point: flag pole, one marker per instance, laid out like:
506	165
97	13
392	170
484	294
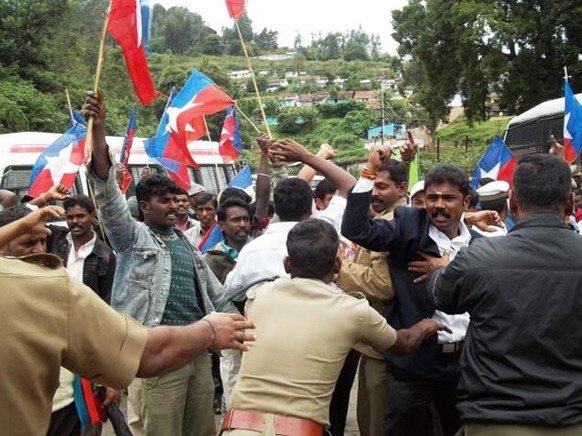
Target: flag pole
213	154
249	120
100	58
242	42
566	74
70	106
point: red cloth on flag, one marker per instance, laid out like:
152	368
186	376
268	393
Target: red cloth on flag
124	26
236	8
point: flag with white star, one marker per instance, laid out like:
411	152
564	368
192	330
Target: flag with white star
496	163
60	162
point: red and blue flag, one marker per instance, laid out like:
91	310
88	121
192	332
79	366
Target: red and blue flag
60	162
183	122
125	25
230	147
572	125
497	163
126	149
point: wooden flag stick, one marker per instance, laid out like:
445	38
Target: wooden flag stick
249	120
214	155
70	107
242	42
100	58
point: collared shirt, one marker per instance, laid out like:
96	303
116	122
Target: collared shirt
457	323
262	258
48	322
76	259
305	329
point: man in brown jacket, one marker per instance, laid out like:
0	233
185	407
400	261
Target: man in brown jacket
369	274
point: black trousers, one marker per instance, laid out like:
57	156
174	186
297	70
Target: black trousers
64	422
410	398
340	400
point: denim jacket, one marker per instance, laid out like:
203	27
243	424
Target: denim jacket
144	269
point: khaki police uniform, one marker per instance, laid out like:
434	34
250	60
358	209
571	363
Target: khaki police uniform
304	330
48	319
369	273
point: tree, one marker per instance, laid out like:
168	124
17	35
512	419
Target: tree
296	120
212	45
266	41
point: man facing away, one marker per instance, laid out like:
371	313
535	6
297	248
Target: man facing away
161	279
522	360
306	327
51	320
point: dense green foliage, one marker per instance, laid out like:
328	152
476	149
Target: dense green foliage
514	48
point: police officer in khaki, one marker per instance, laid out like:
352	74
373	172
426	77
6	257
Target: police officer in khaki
305	327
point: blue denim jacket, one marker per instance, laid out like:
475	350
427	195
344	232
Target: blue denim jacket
144	269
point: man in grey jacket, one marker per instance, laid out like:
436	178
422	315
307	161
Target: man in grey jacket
522	359
161	279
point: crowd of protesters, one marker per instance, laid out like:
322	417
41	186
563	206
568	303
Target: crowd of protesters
456	309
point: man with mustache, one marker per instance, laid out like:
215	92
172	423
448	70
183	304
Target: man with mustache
161	279
430	374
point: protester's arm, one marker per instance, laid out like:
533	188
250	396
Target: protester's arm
408	340
56	193
483	220
290	151
263	185
307	173
450	289
8	198
94	108
169	348
408	153
114	212
33	223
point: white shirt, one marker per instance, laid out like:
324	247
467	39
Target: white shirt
457	323
76	259
64	395
263	257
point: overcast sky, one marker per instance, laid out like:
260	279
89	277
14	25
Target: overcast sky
303	16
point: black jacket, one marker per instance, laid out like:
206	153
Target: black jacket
522	358
99	266
401	237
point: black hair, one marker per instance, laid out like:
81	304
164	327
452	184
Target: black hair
79	200
13	213
271	208
445	173
578	191
323	188
312	248
484	181
474	199
293	199
397	171
542	183
231	202
499	205
231	192
182	191
155	185
205	197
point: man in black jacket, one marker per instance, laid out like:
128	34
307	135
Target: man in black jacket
429	375
522	360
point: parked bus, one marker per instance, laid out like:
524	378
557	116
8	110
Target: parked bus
19	152
530	132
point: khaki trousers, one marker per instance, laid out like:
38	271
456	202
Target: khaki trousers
372	403
134	420
518	430
180	403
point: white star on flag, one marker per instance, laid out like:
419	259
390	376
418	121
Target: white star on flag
61	164
492	173
174	112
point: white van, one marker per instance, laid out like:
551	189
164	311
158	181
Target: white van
19	152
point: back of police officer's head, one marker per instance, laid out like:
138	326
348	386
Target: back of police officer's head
541	184
293	199
312	250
